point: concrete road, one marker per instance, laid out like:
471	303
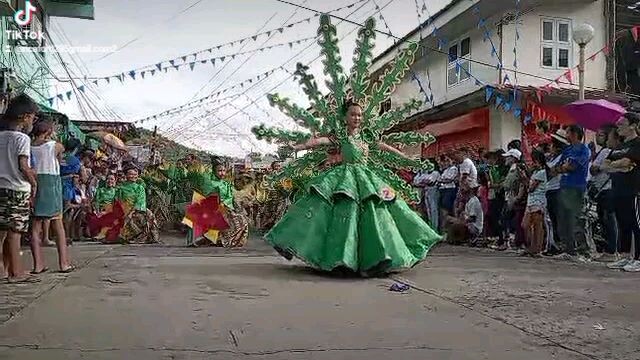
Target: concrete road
177	303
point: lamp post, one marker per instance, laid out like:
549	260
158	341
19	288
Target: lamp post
582	34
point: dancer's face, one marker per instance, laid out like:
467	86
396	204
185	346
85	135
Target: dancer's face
354	118
221	172
111	181
132	175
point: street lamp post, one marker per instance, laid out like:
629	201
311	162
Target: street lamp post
582	35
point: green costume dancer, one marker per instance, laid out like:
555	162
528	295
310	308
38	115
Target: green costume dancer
353	212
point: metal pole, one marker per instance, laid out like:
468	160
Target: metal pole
581	72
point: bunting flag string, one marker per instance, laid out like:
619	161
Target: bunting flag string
482	25
200	101
266	33
144	71
568	74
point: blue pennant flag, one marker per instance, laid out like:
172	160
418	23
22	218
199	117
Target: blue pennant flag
81	88
508	105
481	23
108	80
172	62
142	74
192	65
153	72
51	101
488	91
61	97
95	82
506	79
132	73
69	93
499	100
159	66
517	112
527	119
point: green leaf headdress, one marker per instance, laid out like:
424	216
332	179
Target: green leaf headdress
326	117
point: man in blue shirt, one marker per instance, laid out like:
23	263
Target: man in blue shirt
574	167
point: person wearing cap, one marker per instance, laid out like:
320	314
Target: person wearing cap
558	143
515	188
574	166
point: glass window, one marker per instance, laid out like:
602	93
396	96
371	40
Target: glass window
465	47
563	32
464	65
563	58
452	76
547	30
547	56
453	53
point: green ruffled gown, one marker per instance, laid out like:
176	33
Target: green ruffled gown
345	220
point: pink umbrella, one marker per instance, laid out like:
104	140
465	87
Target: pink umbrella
593	114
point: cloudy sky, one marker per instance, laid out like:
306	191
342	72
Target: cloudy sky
147	33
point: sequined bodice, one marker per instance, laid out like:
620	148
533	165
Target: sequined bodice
354	150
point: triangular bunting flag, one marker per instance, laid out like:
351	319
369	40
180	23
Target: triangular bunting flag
268	33
195	56
81	88
203	61
95	82
142	74
210	50
153	72
184	58
172	62
506	79
213	62
222	58
527	119
488	91
61	97
159	66
51	101
108	80
69	93
192	65
507	106
569	76
290	45
120	77
517	112
499	100
132	73
635	33
281	30
254	37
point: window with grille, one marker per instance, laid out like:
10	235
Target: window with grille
555	48
459	53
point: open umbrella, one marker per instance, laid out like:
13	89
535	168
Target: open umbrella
593	114
109	139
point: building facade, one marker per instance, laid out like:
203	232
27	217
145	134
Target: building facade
24	62
473	44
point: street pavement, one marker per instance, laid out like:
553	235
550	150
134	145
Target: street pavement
168	302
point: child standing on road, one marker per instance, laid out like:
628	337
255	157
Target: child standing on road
17	182
533	222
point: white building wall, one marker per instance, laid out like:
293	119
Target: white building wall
529	45
504	126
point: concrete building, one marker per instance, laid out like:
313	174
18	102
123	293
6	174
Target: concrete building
25	64
479	35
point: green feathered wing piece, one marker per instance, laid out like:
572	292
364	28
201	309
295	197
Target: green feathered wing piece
325	118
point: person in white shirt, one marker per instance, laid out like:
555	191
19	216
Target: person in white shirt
428	181
468	178
558	144
18	183
469	224
448	186
599	189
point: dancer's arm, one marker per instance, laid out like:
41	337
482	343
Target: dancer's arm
313	143
391	149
